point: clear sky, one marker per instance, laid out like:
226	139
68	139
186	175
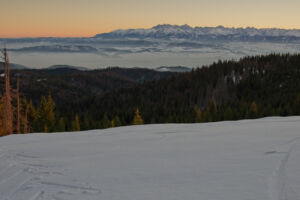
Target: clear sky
32	18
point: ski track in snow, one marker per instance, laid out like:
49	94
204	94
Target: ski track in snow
279	186
24	178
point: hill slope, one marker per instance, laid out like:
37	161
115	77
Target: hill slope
271	82
254	159
66	83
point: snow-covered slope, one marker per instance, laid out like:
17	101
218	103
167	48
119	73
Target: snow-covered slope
167	31
173	69
250	159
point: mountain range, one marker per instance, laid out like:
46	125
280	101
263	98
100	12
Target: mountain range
161	45
167	31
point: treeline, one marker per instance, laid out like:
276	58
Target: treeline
252	87
35	119
45	119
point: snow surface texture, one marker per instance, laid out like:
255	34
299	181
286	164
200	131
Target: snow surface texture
249	159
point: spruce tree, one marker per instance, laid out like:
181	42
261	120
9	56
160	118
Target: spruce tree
105	122
117	121
24	119
86	124
253	110
76	124
31	117
45	115
297	105
137	120
112	123
61	125
228	114
51	113
213	110
198	114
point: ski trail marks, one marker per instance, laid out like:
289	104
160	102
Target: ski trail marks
279	188
30	177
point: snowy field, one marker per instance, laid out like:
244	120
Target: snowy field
249	159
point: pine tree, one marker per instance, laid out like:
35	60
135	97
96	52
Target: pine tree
105	122
198	113
32	116
51	113
137	120
112	123
25	111
297	105
228	114
86	123
40	118
117	121
253	110
76	124
46	130
213	109
45	115
61	125
207	116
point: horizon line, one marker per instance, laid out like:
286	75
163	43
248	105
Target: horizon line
162	24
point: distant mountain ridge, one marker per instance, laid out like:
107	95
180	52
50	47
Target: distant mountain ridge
13	66
58	48
173	69
167	31
67	67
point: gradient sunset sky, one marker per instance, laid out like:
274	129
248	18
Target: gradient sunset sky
81	18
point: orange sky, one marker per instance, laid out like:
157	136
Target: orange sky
61	18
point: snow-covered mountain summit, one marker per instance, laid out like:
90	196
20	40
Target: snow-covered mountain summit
167	31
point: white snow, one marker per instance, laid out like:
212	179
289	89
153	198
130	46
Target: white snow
199	31
249	159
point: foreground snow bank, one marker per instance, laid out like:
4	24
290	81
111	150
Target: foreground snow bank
250	159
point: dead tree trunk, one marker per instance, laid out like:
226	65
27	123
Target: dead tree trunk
25	121
8	109
18	125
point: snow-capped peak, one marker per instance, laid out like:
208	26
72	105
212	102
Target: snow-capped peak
167	31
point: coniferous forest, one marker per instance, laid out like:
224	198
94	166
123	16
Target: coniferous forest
71	100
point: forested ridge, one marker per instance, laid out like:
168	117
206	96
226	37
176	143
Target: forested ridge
252	87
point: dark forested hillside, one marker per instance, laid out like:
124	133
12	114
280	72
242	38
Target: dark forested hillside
252	87
65	84
227	90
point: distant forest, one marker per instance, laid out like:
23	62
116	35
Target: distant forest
70	100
